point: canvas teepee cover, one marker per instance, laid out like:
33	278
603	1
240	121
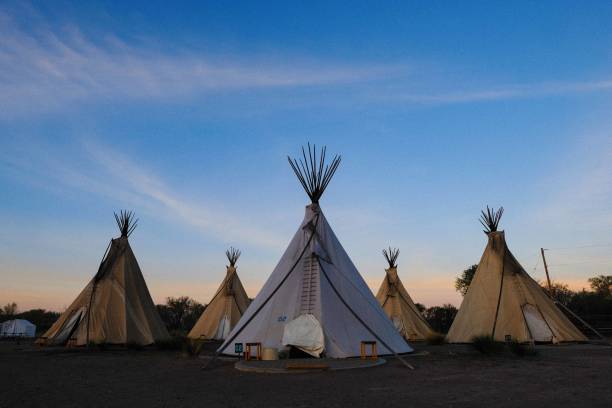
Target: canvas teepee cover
226	307
315	299
115	307
398	305
503	300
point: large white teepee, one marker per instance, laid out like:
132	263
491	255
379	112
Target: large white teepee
503	301
398	305
226	307
115	307
315	300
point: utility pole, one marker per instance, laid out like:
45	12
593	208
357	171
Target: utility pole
550	290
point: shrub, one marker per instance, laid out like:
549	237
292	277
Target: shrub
192	347
486	344
180	342
521	349
436	339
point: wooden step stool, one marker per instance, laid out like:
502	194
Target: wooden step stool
372	345
247	352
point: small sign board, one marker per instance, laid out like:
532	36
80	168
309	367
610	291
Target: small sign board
238	348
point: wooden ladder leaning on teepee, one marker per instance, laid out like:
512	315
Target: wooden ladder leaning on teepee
310	285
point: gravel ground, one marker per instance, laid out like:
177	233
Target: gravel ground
446	376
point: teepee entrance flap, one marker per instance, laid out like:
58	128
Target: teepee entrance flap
305	333
224	327
538	328
69	327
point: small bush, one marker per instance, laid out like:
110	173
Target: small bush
180	342
521	349
192	347
486	344
436	339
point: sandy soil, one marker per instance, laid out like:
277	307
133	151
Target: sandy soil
449	376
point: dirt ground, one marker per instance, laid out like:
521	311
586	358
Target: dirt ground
448	376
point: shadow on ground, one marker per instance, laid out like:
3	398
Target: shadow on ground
448	375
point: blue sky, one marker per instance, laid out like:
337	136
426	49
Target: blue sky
186	114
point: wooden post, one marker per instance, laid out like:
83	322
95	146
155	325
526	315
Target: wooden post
550	290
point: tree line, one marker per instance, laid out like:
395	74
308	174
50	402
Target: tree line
180	314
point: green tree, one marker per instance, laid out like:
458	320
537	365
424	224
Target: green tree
560	292
440	318
180	313
462	283
601	284
10	309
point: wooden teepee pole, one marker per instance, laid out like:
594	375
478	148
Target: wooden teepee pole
550	289
552	295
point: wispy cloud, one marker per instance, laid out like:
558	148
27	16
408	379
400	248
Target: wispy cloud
105	172
141	182
503	92
43	68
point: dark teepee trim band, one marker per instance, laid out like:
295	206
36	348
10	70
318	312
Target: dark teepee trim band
501	291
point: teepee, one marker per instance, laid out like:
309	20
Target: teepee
315	300
226	307
397	304
503	301
115	307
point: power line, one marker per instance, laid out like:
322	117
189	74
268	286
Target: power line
580	246
605	261
536	264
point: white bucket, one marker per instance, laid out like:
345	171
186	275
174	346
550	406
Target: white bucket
269	354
